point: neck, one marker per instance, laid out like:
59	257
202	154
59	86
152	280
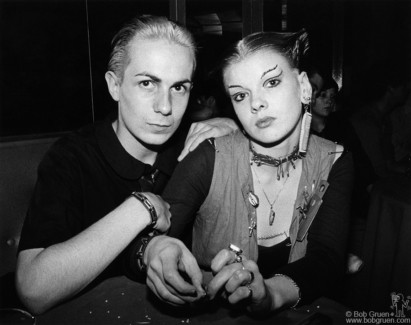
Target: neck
276	150
134	147
318	123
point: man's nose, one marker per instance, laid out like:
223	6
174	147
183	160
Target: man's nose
163	104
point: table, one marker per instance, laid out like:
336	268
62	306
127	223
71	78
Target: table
386	249
122	301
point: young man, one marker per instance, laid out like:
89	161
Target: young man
83	213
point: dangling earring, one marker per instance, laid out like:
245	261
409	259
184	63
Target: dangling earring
305	127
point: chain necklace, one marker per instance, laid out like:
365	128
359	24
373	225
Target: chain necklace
260	159
271	215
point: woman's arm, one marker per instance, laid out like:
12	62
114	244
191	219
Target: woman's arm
324	262
188	188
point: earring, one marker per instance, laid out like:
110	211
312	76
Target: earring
305	127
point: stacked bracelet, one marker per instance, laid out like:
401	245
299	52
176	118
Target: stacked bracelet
295	285
148	205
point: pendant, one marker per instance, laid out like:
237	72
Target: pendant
253	199
271	216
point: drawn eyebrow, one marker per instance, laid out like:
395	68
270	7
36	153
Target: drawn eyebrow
146	74
269	70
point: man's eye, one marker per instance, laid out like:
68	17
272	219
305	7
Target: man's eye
146	84
180	89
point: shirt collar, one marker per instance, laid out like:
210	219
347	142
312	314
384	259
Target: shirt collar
125	165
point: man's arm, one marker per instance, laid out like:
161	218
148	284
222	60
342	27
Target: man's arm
47	276
167	259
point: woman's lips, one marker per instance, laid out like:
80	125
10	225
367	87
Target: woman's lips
264	122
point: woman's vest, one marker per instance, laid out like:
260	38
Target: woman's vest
226	215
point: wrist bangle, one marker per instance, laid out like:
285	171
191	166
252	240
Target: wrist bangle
295	285
148	205
140	253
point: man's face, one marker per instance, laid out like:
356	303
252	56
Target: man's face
154	92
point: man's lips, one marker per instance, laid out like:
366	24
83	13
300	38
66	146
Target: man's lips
159	125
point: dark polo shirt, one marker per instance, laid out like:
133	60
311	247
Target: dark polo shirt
83	177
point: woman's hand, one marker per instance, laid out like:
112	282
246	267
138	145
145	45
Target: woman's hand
200	131
239	282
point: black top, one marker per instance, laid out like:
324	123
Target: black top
324	262
339	129
82	178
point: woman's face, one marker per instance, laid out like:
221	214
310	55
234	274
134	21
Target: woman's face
266	94
325	103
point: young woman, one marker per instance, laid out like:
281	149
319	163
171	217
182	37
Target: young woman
273	191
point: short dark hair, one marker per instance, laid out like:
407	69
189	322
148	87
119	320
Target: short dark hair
292	46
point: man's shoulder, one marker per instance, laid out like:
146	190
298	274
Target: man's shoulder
77	140
75	146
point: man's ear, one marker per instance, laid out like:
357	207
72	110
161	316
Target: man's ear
305	88
113	84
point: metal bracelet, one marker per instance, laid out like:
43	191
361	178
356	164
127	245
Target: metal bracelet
148	205
295	285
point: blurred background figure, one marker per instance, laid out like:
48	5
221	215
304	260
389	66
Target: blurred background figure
330	120
323	107
379	116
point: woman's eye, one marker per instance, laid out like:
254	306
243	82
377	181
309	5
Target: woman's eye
239	97
271	83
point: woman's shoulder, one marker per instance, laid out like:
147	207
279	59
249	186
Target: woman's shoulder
235	140
321	142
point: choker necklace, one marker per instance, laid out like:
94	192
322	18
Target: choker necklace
260	159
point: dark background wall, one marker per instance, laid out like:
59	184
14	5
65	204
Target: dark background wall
52	51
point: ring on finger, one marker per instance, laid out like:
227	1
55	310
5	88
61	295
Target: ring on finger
237	251
238	259
251	277
250	291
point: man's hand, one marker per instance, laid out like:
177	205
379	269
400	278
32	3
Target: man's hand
163	211
168	260
200	131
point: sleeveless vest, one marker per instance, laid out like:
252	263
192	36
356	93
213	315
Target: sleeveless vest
225	216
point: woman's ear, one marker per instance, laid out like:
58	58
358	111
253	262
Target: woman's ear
305	88
113	84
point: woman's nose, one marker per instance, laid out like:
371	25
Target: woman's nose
258	104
